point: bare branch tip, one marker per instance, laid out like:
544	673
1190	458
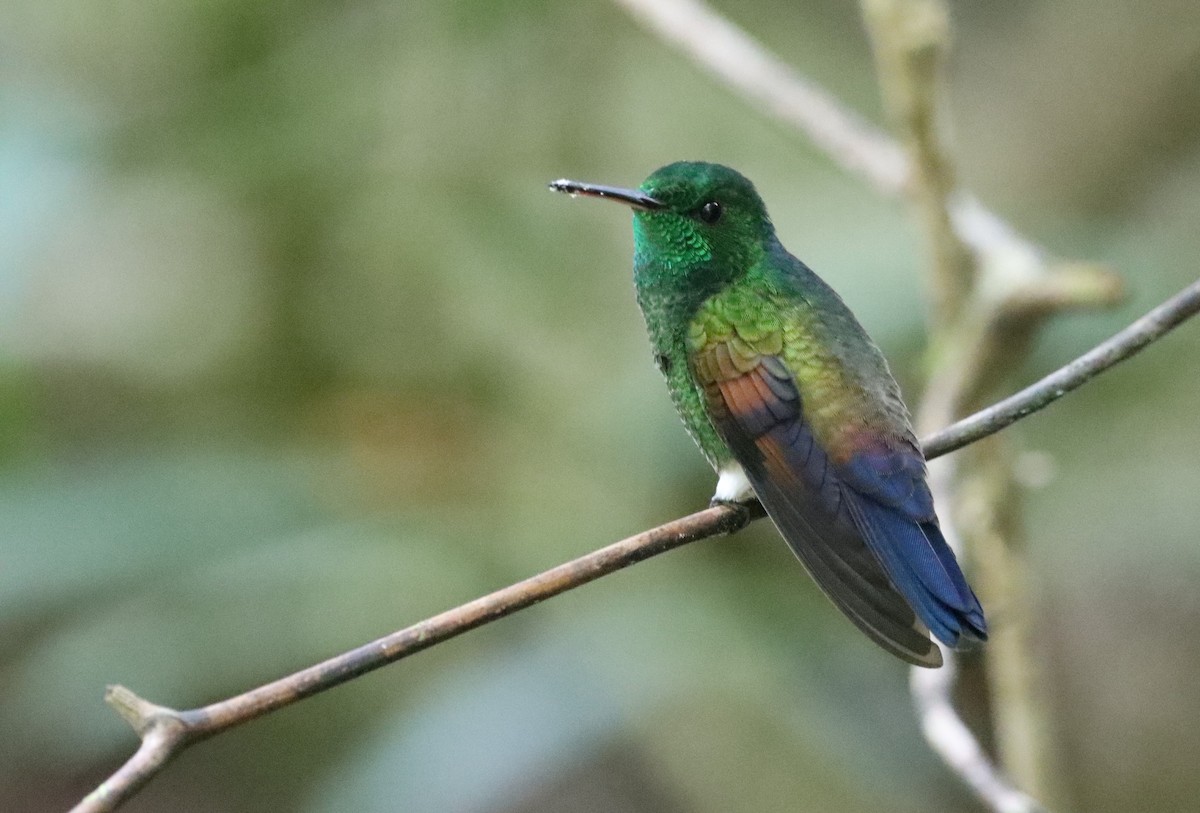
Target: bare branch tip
1066	286
141	714
1091	284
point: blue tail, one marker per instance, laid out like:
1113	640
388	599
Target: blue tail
923	568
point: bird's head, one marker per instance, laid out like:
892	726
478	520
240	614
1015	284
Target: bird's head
696	226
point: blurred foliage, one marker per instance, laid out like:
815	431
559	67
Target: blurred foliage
295	349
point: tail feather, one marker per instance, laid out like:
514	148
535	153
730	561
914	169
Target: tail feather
923	568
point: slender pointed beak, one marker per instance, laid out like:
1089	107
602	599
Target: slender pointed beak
630	197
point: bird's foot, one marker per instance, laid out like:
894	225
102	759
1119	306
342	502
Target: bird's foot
743	513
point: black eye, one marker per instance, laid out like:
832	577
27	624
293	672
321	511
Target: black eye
710	212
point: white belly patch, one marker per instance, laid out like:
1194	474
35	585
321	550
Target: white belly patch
732	485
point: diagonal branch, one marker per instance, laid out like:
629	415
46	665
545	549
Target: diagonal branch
739	61
1149	328
744	65
166	732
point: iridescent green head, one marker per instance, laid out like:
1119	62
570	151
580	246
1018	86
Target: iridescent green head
696	226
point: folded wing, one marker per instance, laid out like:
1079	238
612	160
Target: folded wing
864	528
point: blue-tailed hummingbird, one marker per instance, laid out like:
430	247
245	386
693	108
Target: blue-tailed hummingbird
792	403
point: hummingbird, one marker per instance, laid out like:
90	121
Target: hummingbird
793	404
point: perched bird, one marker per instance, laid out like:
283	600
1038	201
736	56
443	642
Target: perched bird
792	402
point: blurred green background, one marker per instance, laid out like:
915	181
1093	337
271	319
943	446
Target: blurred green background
296	349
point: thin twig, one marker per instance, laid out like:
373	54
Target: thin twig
165	732
1121	346
747	67
957	746
910	39
933	692
741	62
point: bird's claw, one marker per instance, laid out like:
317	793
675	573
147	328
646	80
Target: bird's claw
742	512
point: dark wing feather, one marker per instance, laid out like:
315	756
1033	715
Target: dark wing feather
758	413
